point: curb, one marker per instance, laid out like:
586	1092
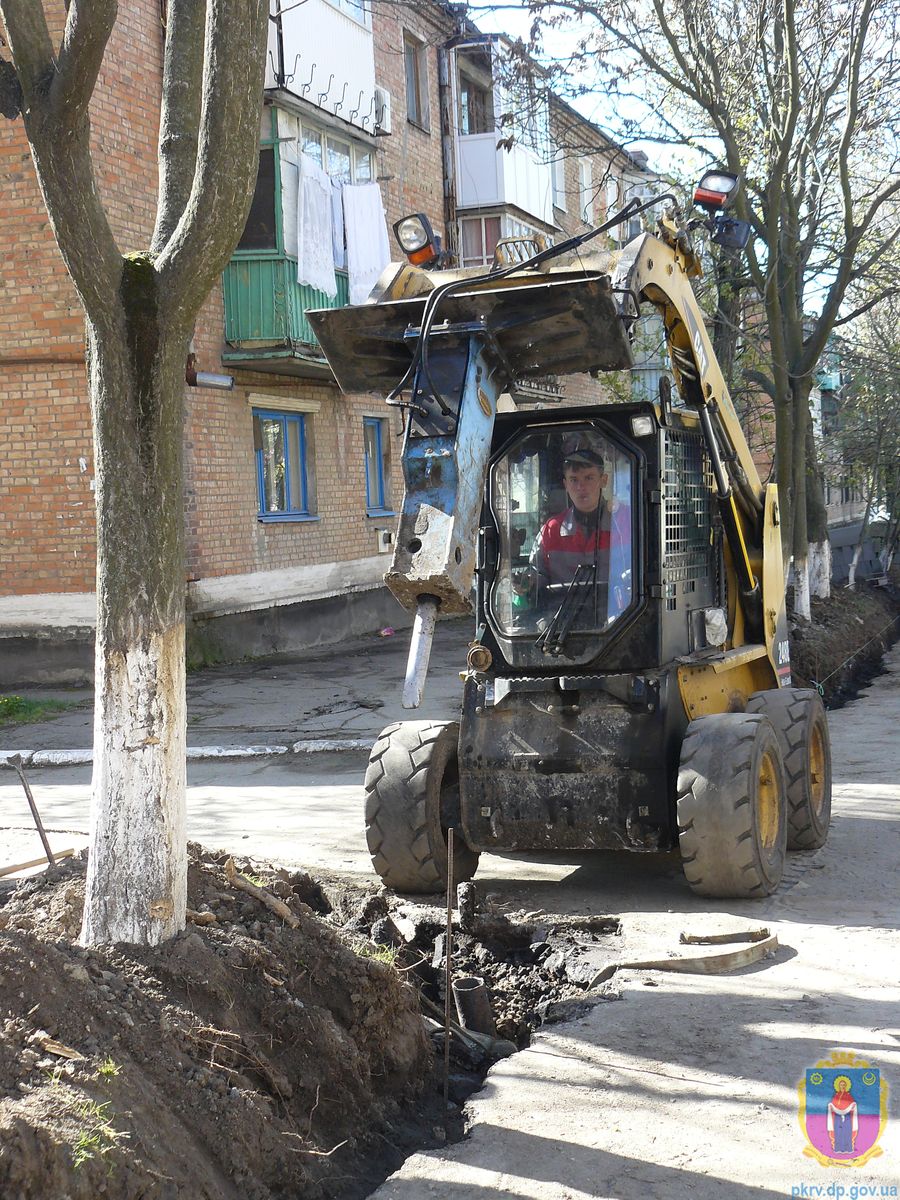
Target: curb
78	758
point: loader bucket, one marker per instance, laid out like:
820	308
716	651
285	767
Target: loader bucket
544	324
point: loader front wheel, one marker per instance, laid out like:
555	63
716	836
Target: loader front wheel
412	798
732	811
798	717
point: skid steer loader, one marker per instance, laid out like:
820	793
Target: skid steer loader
629	684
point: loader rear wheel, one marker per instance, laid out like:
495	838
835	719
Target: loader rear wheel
412	798
798	717
732	811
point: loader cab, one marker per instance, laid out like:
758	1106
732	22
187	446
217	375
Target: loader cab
599	545
561	499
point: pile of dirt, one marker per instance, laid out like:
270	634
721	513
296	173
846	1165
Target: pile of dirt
841	648
242	1059
247	1058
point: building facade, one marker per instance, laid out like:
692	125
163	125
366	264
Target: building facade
291	485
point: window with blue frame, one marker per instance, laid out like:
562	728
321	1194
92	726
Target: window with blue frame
376	439
281	441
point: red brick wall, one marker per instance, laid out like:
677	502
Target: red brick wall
409	161
46	518
46	505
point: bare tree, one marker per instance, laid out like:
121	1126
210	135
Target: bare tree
865	443
803	98
140	311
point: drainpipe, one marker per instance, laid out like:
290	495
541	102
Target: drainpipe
448	150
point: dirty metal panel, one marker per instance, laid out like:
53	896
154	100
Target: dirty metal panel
545	325
540	772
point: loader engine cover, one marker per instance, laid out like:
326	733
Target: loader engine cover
580	767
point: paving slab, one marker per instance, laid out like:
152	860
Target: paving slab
347	693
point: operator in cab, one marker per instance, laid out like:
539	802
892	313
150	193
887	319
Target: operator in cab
591	531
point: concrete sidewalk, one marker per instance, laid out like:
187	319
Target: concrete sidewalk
325	700
688	1087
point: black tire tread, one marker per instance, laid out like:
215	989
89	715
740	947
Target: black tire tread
788	710
715	810
403	831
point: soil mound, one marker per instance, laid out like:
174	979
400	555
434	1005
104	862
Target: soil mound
243	1059
841	648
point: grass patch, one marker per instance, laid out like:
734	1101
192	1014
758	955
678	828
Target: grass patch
382	954
99	1137
15	709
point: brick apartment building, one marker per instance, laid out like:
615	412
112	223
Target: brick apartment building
291	485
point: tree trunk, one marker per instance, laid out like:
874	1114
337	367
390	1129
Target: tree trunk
137	872
820	569
819	548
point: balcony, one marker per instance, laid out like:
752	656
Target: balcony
265	316
828	381
490	178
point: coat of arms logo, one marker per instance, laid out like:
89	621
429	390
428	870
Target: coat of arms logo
843	1110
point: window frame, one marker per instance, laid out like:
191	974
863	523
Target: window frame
309	129
586	190
509	227
269	142
288	421
558	179
384	507
414	51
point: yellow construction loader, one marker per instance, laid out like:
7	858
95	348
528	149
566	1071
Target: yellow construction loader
628	685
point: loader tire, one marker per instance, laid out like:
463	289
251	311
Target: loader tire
412	797
732	810
798	717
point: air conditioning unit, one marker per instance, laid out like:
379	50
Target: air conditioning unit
382	111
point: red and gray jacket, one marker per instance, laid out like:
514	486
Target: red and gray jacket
568	540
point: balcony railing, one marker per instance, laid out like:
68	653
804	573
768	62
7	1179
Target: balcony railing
265	309
488	176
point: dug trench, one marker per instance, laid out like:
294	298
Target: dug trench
249	1058
261	1058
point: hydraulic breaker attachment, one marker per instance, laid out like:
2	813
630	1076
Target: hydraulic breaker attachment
458	352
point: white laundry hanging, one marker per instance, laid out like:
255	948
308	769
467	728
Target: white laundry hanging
290	187
315	255
368	249
337	224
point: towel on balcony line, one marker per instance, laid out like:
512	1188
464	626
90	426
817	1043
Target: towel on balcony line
315	257
368	249
337	224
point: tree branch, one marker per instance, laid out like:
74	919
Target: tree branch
199	248
58	129
88	26
29	41
179	116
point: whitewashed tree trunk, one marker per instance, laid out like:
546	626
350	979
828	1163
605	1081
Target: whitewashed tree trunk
854	563
136	888
139	314
820	569
801	589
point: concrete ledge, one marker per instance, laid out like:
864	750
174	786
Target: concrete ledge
78	758
49	640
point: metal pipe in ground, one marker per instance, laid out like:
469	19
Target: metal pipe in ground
473	1005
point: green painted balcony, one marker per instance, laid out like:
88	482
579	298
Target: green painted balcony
828	381
265	316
